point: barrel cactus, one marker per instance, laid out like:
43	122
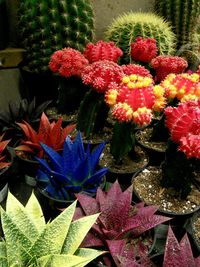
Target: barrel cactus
183	16
47	25
126	28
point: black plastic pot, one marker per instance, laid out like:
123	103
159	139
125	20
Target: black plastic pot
3	25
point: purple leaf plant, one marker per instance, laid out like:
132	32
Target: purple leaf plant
118	224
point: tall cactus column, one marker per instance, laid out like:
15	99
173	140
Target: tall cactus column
183	16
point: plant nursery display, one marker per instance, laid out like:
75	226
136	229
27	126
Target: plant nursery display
100	157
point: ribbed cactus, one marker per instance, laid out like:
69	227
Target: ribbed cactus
183	16
48	25
126	28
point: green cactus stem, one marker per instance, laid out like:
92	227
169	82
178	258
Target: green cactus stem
48	25
126	28
183	16
92	113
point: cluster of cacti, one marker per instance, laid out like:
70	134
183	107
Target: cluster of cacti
183	86
144	49
47	26
135	99
183	123
183	16
102	51
125	29
165	65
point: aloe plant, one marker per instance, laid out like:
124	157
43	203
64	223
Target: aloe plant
73	171
179	254
49	133
29	241
118	219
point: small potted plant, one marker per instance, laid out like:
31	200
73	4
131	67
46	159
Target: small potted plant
122	227
75	170
173	186
133	104
49	133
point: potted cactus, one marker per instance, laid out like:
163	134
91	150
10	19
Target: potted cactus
37	243
75	170
50	133
133	104
177	180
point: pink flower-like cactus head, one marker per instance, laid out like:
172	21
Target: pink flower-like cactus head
135	99
183	86
68	62
165	65
102	51
102	75
144	49
183	123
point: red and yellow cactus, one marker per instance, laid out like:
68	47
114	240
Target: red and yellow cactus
144	49
183	86
183	123
102	51
102	75
135	100
136	69
67	62
165	65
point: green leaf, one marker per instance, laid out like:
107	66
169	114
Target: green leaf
77	232
89	254
61	261
17	243
3	255
52	238
22	218
34	210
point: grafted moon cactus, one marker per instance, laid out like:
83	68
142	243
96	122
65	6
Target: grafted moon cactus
183	86
135	99
136	69
102	51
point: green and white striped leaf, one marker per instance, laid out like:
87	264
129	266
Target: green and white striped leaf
61	261
52	238
17	243
3	255
16	211
77	232
35	213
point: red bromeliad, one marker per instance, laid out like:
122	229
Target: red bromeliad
135	99
102	51
51	134
144	49
182	86
3	145
165	65
67	62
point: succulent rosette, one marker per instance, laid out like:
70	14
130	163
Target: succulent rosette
67	62
144	49
102	75
165	65
135	100
102	51
183	86
183	123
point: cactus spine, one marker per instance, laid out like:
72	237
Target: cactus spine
49	25
126	28
183	16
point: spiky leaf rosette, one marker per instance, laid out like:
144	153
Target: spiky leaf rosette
118	219
29	241
126	28
102	51
67	62
179	254
49	133
183	86
73	171
144	49
48	26
165	65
